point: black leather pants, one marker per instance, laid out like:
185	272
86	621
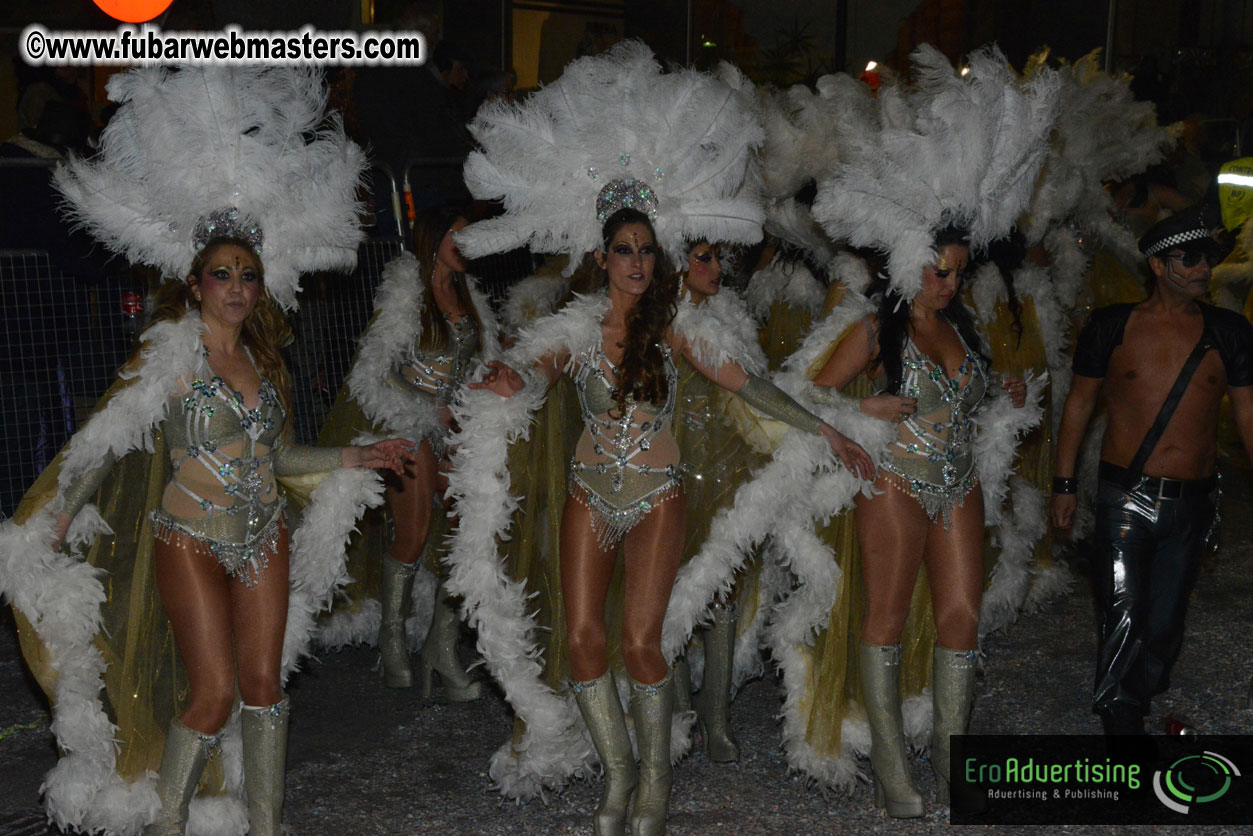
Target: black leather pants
1147	553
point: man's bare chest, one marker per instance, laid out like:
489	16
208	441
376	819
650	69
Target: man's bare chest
1144	368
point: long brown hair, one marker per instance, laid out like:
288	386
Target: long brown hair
642	373
264	333
429	229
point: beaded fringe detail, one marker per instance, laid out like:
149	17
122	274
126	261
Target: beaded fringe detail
937	502
246	561
612	523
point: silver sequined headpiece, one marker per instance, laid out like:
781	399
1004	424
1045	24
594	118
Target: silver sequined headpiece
227	223
621	194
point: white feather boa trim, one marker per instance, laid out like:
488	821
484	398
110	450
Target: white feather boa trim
999	426
171	351
61	596
721	330
398	324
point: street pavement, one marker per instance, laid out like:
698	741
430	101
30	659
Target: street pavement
368	761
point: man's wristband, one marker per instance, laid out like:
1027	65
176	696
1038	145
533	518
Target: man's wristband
1064	485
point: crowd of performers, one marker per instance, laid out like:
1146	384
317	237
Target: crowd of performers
638	486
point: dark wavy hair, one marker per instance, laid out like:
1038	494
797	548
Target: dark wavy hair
894	317
429	228
264	332
642	372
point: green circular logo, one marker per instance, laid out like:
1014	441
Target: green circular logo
1194	779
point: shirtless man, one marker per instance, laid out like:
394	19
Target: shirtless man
1154	514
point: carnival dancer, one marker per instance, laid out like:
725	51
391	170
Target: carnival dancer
626	487
1161	366
585	182
721	442
184	459
912	359
426	338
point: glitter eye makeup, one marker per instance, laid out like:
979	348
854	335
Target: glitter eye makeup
625	249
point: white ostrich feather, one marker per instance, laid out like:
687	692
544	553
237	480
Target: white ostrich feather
532	298
1068	265
784	280
191	140
318	546
687	134
1102	133
961	149
986	289
170	353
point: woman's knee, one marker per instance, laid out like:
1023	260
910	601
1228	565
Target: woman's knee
642	656
259	687
957	627
884	621
407	548
208	709
588	643
882	633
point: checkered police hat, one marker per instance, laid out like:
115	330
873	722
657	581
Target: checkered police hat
1186	229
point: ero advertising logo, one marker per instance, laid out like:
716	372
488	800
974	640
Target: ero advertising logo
1194	779
1080	779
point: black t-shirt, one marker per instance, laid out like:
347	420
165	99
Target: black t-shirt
1230	332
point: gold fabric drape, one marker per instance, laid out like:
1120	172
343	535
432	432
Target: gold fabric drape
1015	355
145	685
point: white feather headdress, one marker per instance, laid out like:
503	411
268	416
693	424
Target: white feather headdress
1102	133
687	136
952	149
798	147
191	141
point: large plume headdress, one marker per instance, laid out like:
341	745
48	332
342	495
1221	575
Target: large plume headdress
801	144
249	151
953	149
615	130
1102	133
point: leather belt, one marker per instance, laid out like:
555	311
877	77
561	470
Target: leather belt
1162	487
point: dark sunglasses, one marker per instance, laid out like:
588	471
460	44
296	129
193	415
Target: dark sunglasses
1192	258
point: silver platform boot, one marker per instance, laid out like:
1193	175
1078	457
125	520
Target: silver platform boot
713	703
652	709
439	654
952	694
894	788
265	765
602	712
182	762
393	645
